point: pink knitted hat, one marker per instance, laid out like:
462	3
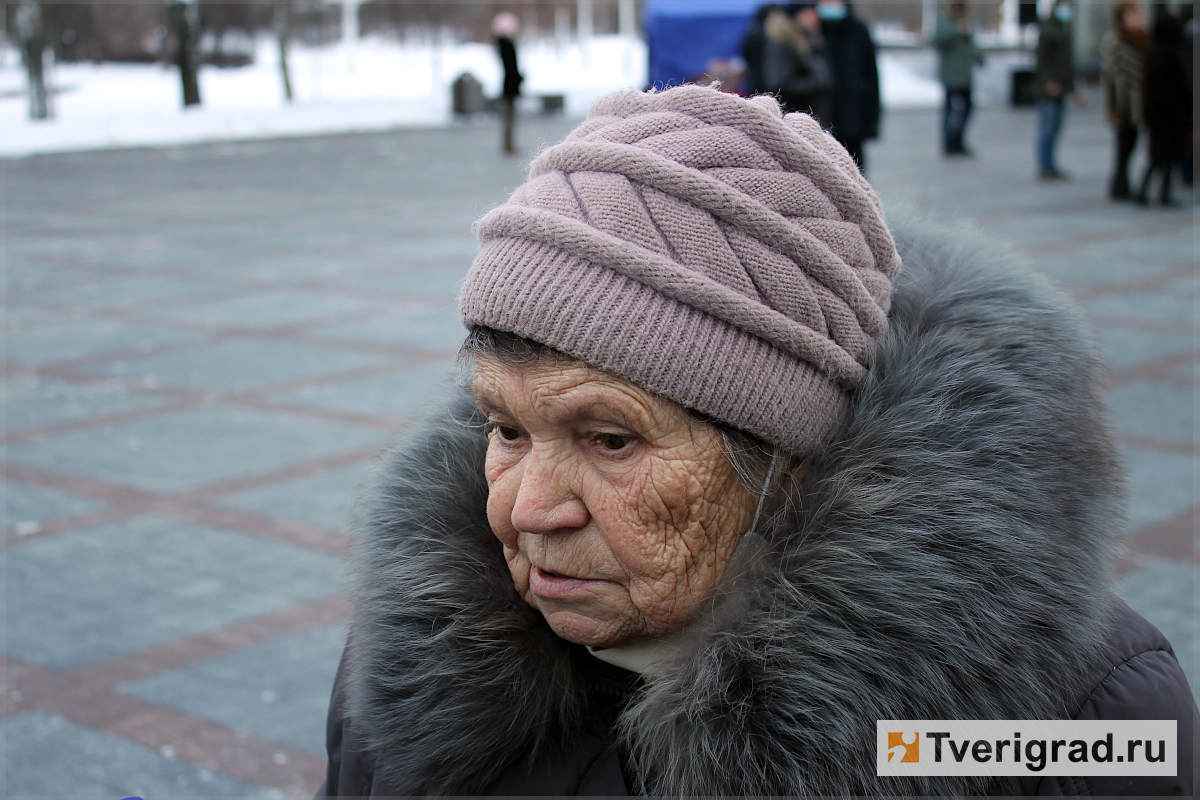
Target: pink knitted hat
704	247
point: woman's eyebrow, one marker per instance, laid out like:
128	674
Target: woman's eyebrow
485	402
603	409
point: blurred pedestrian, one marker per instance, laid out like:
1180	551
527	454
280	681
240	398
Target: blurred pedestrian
753	45
957	57
856	107
505	27
1124	54
1187	14
1167	104
795	65
1053	83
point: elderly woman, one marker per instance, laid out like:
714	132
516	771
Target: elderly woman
729	486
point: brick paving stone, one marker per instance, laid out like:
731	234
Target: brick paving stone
1160	484
278	690
323	499
397	395
95	593
47	756
57	339
30	505
112	292
270	308
239	365
31	401
429	329
1124	348
193	448
1175	304
1153	409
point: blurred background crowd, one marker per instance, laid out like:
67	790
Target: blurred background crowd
79	75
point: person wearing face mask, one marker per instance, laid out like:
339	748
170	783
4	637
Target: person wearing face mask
739	467
856	104
1053	83
795	66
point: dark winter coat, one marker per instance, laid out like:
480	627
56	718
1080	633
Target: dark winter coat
1167	93
1055	59
508	60
795	68
753	45
948	561
856	105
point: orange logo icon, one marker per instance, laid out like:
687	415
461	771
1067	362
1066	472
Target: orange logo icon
905	745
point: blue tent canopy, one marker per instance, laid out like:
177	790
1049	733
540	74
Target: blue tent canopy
682	36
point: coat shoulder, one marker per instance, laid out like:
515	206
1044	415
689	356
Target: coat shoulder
1137	678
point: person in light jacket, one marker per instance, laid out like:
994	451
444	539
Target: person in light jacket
958	56
738	468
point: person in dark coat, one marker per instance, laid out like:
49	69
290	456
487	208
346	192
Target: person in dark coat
1053	84
753	45
856	104
741	468
795	66
505	26
1167	105
1124	53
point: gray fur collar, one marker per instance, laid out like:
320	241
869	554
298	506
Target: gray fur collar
949	562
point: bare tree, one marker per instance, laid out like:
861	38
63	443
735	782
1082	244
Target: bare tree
32	35
283	32
185	19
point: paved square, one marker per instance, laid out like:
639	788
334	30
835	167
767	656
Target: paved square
194	448
292	302
287	701
323	499
96	593
47	756
240	365
31	401
58	339
397	395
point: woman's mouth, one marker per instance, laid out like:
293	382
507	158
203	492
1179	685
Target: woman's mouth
557	586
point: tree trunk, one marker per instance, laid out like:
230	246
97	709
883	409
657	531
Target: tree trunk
186	19
283	33
32	36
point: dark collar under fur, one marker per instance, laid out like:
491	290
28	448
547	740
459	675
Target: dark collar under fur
949	562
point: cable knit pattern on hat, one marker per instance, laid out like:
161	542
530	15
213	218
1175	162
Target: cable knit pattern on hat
702	246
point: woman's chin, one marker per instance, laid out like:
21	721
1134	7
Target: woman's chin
581	629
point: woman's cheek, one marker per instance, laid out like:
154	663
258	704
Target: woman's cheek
503	485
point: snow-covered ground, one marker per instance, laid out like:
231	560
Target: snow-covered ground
374	85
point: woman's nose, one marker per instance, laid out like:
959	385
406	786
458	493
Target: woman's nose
546	503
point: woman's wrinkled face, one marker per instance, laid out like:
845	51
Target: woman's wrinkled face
617	516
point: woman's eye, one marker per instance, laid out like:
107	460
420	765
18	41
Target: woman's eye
613	441
506	433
